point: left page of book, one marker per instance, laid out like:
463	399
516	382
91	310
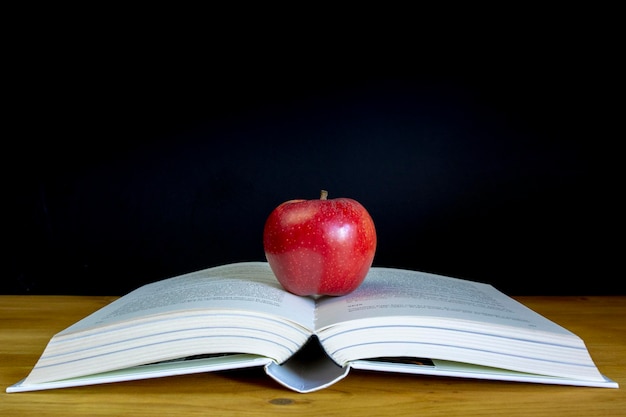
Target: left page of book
183	366
240	286
237	308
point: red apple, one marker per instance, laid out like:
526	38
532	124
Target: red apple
320	247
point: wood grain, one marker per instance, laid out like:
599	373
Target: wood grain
28	322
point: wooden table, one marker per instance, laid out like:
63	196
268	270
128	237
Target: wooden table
28	322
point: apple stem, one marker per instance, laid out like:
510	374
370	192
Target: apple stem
323	195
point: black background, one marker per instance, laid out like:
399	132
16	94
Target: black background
487	158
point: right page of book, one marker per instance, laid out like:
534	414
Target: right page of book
397	292
407	313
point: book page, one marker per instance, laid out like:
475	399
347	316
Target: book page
390	292
466	370
248	286
157	370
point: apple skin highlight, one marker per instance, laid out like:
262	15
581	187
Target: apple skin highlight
320	247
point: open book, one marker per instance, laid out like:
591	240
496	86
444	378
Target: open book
238	315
